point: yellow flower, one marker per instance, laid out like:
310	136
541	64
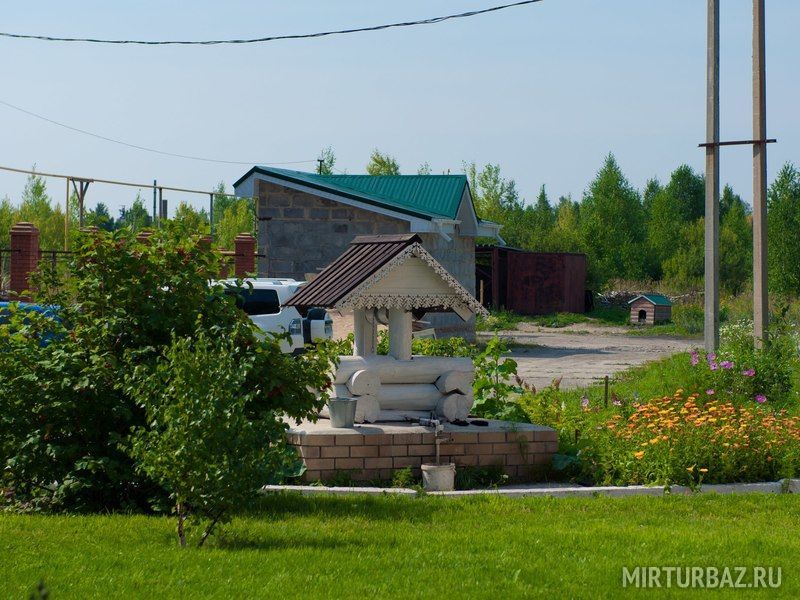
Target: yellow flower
639	455
703	470
690	469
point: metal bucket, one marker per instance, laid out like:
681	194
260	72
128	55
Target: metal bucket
342	412
439	478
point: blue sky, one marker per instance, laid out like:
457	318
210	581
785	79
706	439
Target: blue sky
545	90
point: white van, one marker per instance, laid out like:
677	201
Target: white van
262	299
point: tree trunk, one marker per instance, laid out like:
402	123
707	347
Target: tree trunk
181	519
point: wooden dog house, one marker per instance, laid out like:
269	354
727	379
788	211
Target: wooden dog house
649	309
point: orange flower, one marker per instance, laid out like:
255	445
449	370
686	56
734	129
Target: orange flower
639	455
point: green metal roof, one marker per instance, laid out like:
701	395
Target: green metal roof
656	299
426	196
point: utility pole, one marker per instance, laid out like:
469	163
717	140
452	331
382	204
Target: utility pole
760	297
320	162
154	202
711	323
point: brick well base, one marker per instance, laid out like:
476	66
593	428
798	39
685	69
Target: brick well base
375	451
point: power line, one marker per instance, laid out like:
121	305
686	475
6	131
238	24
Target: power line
145	148
273	38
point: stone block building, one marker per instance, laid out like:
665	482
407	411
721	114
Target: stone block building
306	220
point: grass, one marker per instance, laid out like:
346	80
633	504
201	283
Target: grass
687	321
357	546
504	320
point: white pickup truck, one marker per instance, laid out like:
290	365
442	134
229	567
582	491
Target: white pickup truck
262	300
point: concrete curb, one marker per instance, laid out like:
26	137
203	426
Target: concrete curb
784	486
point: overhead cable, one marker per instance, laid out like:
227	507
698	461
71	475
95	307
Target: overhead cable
145	148
274	38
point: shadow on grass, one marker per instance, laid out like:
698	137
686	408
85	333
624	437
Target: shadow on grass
389	507
239	541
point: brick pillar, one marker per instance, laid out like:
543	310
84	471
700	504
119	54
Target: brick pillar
24	257
245	255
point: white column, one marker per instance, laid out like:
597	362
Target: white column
364	332
400	334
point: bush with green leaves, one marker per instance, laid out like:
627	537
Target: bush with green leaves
495	378
213	435
66	412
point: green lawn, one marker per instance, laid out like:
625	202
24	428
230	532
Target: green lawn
362	547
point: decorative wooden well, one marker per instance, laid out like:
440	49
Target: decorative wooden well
390	280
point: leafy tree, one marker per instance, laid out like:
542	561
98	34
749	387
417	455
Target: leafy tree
204	412
612	226
565	236
730	200
7	218
36	207
99	217
222	201
424	169
680	202
651	189
328	159
191	220
75	431
239	218
686	267
735	245
382	164
136	217
496	199
783	214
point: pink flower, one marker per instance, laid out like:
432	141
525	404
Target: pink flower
726	364
712	365
711	357
695	358
749	373
585	403
616	402
761	398
710	392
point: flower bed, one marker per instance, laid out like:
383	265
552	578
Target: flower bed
687	441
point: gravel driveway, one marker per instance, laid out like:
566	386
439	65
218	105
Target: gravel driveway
583	354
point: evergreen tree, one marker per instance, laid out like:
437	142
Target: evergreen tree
99	217
612	227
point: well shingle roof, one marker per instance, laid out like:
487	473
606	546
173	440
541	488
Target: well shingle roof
363	257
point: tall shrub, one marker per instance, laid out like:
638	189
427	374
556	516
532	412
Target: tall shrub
66	415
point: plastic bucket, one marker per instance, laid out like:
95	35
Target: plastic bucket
439	478
342	412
